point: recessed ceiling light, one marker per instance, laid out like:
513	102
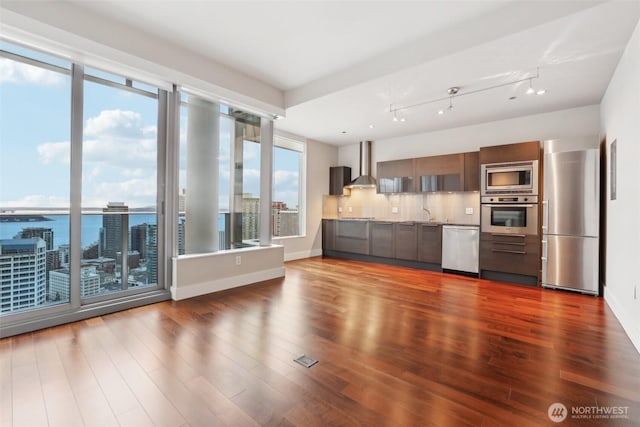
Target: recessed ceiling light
541	92
440	112
371	126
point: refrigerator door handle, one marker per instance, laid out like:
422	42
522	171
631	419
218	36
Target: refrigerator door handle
545	215
544	251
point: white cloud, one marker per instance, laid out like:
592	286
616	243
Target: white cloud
52	152
117	123
137	192
20	73
119	158
283	177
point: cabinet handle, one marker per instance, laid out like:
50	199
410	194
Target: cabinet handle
510	243
430	225
382	223
508	235
508	251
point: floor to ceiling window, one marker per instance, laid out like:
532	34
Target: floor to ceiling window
119	191
80	151
34	178
88	168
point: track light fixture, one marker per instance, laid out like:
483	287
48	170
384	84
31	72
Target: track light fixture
454	91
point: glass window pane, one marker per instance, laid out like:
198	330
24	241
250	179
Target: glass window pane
34	183
285	204
119	175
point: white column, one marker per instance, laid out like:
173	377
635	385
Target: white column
203	139
266	180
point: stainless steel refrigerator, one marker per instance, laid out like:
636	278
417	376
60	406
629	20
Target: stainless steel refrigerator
570	220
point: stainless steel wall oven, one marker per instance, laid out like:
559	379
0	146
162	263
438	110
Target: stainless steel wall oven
510	215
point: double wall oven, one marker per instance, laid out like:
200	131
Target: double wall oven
509	198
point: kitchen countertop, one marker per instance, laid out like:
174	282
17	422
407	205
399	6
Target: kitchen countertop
403	221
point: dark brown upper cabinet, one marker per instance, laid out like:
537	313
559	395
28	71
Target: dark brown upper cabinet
395	176
517	152
339	176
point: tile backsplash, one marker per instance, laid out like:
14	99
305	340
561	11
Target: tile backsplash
366	203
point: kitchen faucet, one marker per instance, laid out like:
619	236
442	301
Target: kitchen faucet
428	212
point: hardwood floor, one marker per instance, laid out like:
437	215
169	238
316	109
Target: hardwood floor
396	347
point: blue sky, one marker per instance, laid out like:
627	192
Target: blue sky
119	149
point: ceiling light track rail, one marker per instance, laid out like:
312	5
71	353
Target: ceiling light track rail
454	92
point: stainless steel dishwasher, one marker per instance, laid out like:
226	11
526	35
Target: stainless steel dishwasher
460	247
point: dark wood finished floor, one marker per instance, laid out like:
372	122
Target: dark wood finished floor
396	347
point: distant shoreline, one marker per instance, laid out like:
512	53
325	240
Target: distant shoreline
24	218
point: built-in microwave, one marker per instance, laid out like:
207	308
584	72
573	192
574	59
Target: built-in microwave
509	178
509	215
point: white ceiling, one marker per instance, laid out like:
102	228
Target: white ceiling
341	65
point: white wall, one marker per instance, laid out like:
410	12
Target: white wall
620	121
319	158
571	123
200	274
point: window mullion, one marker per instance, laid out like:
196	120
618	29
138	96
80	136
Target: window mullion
75	214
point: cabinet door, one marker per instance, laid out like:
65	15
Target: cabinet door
430	243
339	176
510	152
395	176
472	171
439	173
406	241
510	254
328	234
382	239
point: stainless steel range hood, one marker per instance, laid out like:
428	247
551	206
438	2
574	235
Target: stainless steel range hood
365	180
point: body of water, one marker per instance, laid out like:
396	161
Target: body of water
91	225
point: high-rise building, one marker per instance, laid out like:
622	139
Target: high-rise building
139	239
64	251
286	223
60	281
152	253
111	232
44	233
23	273
181	221
250	217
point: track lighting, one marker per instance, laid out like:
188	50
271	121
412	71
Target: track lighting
398	119
530	91
454	91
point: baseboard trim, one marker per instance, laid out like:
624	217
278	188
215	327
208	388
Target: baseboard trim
302	254
208	287
632	331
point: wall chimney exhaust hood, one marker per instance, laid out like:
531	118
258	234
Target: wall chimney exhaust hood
365	180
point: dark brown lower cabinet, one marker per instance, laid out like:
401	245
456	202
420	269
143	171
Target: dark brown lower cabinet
510	253
329	234
382	239
406	241
430	243
352	236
